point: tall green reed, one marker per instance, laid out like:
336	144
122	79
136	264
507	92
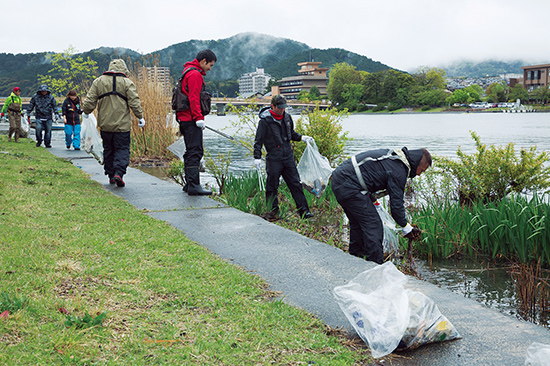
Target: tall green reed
516	228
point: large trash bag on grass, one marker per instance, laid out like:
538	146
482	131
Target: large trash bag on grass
314	170
388	317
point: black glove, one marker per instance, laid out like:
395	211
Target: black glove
415	234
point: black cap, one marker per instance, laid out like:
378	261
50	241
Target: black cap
279	101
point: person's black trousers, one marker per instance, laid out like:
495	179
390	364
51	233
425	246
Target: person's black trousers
366	230
286	168
116	152
192	136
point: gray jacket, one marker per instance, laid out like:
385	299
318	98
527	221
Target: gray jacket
44	105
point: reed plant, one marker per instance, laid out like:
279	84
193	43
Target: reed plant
532	285
151	141
514	228
243	193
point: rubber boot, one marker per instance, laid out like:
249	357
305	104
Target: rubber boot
10	132
186	185
193	182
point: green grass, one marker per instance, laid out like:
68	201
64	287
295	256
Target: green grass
68	244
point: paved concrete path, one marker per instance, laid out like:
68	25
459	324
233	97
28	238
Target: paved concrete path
305	271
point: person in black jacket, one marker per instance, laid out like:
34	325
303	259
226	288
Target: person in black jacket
71	116
275	130
358	181
45	106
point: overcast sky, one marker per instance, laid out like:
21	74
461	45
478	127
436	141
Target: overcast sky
403	34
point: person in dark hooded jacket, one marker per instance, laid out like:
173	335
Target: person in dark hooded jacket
275	131
44	105
358	181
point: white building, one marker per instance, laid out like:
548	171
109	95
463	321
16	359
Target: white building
254	82
157	75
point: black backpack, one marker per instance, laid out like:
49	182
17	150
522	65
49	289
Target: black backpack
180	101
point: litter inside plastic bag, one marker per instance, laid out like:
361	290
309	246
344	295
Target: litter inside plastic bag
314	170
426	323
538	354
388	317
91	139
178	148
390	244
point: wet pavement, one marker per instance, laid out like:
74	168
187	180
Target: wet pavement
305	271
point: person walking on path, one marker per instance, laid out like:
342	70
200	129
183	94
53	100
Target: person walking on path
115	95
13	107
192	122
275	131
71	116
359	180
45	106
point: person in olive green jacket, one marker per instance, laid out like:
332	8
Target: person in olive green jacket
115	95
13	107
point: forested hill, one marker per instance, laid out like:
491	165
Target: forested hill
236	55
485	68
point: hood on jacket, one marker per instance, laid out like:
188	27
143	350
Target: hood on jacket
194	63
414	157
118	65
264	112
43	87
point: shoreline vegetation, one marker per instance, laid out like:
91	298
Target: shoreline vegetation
89	279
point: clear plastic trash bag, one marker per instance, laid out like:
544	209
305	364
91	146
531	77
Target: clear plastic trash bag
178	148
386	316
538	354
390	244
314	170
90	138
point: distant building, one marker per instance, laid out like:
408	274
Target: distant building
159	75
535	77
254	82
310	75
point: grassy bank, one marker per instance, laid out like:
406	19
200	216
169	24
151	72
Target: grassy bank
70	248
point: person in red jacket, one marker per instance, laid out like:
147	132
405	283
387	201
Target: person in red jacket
192	120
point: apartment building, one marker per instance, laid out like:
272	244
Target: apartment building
254	82
535	77
159	75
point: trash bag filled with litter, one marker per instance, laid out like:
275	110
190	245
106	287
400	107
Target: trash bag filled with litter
314	170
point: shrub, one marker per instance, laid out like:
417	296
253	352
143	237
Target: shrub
425	108
326	128
492	172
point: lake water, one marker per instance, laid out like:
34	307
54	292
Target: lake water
440	133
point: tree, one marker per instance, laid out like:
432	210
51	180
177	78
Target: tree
270	83
467	95
69	72
372	87
496	92
340	75
518	92
352	95
314	93
431	77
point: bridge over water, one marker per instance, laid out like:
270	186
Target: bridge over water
221	104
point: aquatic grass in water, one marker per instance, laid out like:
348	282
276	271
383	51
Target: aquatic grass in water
516	227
